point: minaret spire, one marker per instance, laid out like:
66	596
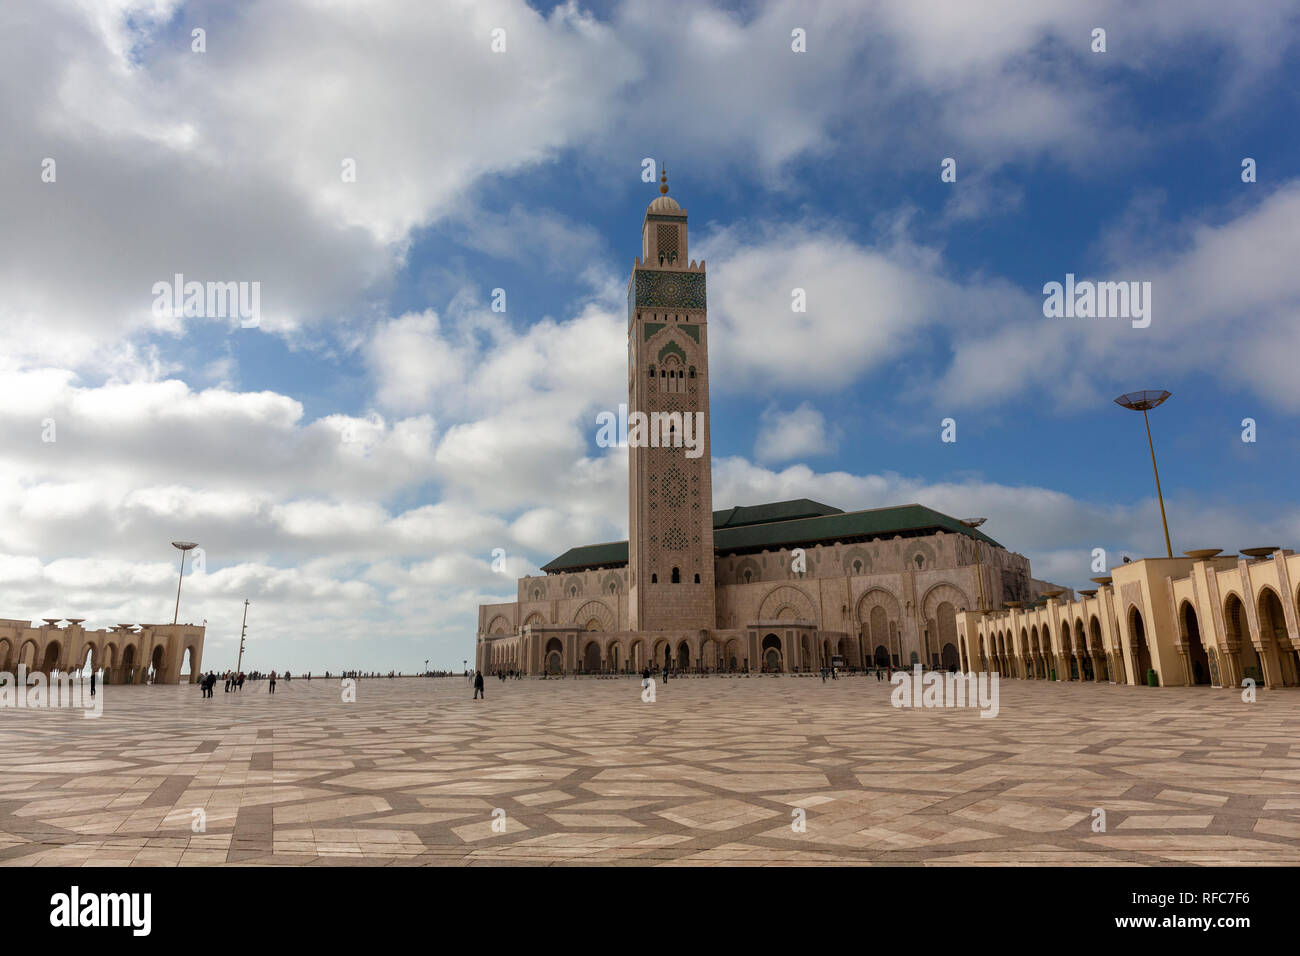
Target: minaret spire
663	181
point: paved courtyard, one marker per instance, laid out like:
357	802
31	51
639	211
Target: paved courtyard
715	771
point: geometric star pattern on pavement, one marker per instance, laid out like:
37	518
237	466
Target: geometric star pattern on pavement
714	772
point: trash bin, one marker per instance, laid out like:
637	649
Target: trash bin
1051	675
1153	680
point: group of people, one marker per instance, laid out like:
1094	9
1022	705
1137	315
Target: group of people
646	672
235	681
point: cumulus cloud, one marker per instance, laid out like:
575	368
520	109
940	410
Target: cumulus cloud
1225	302
371	523
227	165
799	432
866	305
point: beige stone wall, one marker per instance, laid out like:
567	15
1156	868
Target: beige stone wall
1216	622
125	655
856	597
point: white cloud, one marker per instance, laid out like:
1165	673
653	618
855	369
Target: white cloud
348	530
226	165
802	431
866	305
1225	302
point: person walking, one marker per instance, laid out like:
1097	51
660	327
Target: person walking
239	683
478	685
272	683
92	683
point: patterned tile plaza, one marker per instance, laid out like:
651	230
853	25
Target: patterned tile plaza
712	773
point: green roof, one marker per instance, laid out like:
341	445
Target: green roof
784	524
776	511
612	553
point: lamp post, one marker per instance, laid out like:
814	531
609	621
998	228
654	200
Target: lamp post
182	546
243	627
1142	402
974	523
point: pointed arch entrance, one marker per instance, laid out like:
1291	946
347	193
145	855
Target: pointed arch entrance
554	656
1274	640
1240	646
1141	652
1198	662
773	659
157	663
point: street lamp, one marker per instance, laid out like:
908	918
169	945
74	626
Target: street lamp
243	629
183	546
974	523
1142	402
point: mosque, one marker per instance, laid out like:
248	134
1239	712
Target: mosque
778	587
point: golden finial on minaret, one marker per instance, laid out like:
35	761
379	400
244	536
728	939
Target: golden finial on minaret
663	181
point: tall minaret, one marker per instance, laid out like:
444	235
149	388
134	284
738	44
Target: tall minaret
670	544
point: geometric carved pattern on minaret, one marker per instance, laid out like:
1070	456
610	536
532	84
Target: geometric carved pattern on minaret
670	494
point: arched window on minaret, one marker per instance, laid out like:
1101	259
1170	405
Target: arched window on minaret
677	576
676	375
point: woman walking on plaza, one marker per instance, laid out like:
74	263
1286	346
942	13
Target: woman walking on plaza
478	685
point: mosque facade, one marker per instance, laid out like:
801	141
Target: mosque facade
777	587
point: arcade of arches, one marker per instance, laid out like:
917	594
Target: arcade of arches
1215	621
163	653
786	637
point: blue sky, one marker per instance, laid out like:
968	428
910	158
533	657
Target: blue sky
350	464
